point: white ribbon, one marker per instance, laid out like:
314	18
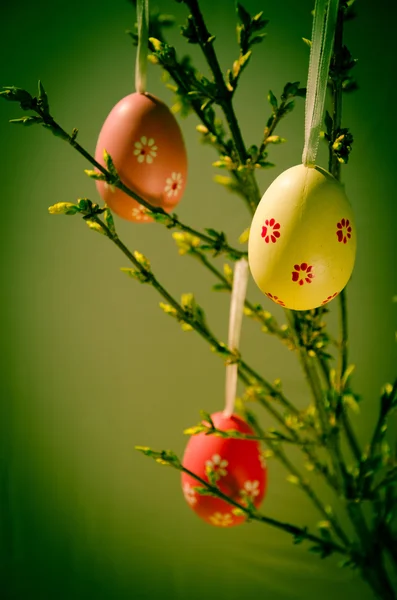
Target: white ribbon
142	13
240	282
324	25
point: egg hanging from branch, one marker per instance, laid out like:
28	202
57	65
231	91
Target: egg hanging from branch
237	466
302	242
145	142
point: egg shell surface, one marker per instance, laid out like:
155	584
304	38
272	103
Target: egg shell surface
302	242
146	145
238	466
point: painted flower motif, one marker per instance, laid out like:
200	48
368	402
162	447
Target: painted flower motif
251	489
270	231
217	466
275	299
262	460
145	150
110	186
344	230
190	494
222	520
302	273
140	213
173	184
329	298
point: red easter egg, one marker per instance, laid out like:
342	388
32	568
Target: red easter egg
238	466
145	142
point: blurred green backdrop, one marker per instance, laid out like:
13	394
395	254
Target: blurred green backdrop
91	366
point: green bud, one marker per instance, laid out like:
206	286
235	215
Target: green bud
142	260
63	208
95	175
135	274
95	226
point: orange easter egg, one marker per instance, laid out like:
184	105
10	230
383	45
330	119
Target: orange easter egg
145	142
238	468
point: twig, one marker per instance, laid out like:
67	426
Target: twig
224	99
299	534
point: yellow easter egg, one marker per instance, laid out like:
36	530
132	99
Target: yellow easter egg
302	242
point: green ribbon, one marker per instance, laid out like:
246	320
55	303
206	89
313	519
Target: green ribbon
324	25
142	13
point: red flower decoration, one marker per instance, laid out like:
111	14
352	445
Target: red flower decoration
344	230
302	273
275	299
270	231
329	298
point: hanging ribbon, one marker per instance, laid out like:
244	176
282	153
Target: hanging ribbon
324	25
240	281
142	13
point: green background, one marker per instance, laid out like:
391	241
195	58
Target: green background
91	366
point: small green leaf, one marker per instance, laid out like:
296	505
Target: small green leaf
243	15
273	100
109	164
14	94
301	93
220	287
109	221
347	374
206	417
290	89
258	38
203	491
42	100
189	31
288	107
27	121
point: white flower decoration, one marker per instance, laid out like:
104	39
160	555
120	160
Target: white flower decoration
251	489
110	186
190	494
222	520
173	184
145	150
217	466
262	460
140	213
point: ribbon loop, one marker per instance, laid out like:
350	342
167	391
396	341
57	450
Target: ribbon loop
239	290
142	13
324	25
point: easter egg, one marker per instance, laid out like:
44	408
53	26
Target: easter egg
302	242
145	142
237	465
